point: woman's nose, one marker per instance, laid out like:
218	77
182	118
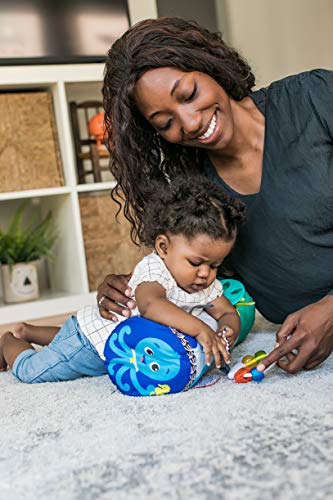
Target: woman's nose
191	122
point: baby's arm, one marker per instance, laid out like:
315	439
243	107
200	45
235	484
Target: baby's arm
153	304
227	317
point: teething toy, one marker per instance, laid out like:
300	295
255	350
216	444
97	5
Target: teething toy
246	370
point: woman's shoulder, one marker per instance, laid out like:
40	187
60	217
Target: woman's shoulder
314	81
307	90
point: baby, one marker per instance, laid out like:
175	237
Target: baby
191	229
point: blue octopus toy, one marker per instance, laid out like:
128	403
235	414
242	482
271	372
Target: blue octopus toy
144	358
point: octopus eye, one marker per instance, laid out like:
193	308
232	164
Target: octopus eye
154	367
149	351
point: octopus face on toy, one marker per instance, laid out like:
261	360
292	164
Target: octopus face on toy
152	358
156	359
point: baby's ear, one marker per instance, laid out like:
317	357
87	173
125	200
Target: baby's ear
161	245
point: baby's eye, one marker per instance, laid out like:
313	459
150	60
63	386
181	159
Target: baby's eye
194	264
215	266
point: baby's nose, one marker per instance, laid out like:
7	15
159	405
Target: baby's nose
203	271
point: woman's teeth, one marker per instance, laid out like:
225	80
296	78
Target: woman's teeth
210	130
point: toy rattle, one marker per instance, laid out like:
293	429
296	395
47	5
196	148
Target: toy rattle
246	370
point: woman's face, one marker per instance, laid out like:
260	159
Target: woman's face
191	109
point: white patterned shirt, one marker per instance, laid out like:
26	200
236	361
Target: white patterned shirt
150	269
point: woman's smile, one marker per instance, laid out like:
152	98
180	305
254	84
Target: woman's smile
213	132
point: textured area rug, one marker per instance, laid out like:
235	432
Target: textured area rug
83	440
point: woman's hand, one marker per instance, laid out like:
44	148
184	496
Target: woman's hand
113	296
309	331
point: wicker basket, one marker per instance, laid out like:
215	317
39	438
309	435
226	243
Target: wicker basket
107	243
29	152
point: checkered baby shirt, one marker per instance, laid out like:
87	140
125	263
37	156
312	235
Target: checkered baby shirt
150	269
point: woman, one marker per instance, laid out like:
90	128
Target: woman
180	100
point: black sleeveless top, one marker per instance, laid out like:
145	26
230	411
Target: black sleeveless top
284	252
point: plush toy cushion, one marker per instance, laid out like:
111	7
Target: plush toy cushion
144	358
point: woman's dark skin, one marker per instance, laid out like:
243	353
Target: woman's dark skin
180	106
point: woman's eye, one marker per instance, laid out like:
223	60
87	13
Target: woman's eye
165	127
193	94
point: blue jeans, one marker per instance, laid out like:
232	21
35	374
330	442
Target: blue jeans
70	355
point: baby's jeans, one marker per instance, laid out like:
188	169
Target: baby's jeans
70	355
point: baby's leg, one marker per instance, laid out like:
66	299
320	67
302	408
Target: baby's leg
41	335
10	348
70	355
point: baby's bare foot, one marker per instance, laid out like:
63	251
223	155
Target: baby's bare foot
3	363
21	331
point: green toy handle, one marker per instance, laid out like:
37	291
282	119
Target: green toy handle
235	292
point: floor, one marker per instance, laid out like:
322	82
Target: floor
82	439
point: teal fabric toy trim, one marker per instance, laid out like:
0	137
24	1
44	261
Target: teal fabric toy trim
235	292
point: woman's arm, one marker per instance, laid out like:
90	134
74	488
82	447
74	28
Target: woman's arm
153	304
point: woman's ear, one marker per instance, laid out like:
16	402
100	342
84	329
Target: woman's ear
162	243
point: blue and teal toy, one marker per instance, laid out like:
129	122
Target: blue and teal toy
144	358
235	292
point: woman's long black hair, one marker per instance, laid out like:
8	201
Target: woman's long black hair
138	154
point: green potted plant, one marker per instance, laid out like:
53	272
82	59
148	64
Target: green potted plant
21	246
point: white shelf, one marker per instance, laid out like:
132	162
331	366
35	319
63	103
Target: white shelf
49	304
34	193
68	271
13	76
66	82
97	186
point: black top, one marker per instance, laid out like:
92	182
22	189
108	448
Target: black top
284	252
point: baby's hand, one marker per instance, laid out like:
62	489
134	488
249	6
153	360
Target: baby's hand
228	335
213	344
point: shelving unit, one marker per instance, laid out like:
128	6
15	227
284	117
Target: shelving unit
63	281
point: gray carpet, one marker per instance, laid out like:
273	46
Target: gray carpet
81	440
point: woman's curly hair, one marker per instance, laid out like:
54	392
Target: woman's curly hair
190	207
138	155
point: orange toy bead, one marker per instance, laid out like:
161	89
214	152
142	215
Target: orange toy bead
96	127
239	375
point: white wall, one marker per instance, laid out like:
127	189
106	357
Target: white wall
279	37
141	9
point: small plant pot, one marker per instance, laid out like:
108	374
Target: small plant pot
20	282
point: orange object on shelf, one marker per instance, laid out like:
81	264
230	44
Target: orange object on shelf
96	128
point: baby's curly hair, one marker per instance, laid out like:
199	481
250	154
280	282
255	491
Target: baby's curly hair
190	206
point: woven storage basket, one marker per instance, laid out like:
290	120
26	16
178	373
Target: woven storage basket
29	152
107	243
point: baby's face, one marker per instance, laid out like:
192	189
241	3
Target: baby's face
194	263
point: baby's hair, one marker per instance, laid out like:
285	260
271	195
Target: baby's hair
190	206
